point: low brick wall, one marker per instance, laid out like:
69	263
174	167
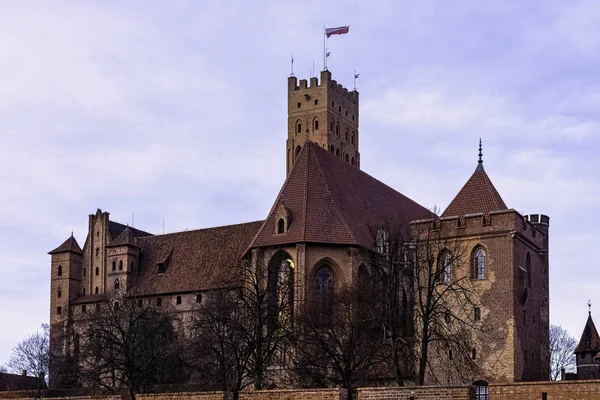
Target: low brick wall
181	396
295	394
287	394
417	393
558	390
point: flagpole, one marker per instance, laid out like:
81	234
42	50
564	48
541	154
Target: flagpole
324	49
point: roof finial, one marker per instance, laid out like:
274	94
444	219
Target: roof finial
480	162
71	232
590	307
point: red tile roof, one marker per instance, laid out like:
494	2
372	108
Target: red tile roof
478	195
331	201
195	260
69	245
590	341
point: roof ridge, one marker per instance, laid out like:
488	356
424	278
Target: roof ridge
335	206
305	200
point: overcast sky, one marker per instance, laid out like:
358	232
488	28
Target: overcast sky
177	110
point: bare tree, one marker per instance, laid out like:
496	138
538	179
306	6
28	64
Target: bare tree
127	344
562	347
32	355
243	332
391	277
443	305
340	339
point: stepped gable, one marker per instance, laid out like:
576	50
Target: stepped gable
69	245
590	341
192	260
478	195
332	202
126	238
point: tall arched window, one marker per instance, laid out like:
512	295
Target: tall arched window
324	288
337	129
114	265
97	290
332	149
479	264
59	294
445	267
97	271
528	269
347	134
298	148
337	152
352	138
316	124
280	289
347	158
60	270
116	283
120	265
352	161
97	251
481	390
298	126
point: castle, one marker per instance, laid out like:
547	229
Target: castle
327	212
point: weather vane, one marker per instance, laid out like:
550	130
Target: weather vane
590	307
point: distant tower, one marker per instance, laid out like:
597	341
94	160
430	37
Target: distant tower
325	113
588	366
65	284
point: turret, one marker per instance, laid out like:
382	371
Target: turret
325	113
588	367
123	256
65	283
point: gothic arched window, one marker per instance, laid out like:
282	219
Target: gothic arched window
299	127
445	267
324	288
337	152
316	124
114	265
117	284
479	264
120	265
97	271
97	290
60	270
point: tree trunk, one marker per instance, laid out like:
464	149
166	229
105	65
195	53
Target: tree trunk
424	350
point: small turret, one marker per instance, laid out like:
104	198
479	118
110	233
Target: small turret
65	285
588	367
123	255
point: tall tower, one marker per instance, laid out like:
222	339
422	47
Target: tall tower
324	112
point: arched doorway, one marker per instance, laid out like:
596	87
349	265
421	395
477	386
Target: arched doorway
280	289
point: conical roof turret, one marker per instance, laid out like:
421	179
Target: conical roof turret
69	245
478	195
590	341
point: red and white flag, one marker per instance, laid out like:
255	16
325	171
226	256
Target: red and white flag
340	30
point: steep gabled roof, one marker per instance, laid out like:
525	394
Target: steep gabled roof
194	260
478	195
331	201
590	341
126	238
69	245
115	229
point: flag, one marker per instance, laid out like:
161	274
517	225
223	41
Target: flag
328	54
356	76
340	30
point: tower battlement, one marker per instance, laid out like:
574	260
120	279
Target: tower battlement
325	112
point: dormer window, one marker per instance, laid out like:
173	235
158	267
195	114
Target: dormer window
283	220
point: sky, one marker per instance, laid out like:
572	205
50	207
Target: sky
176	110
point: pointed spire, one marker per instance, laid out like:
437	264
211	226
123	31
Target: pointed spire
480	162
69	245
590	340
